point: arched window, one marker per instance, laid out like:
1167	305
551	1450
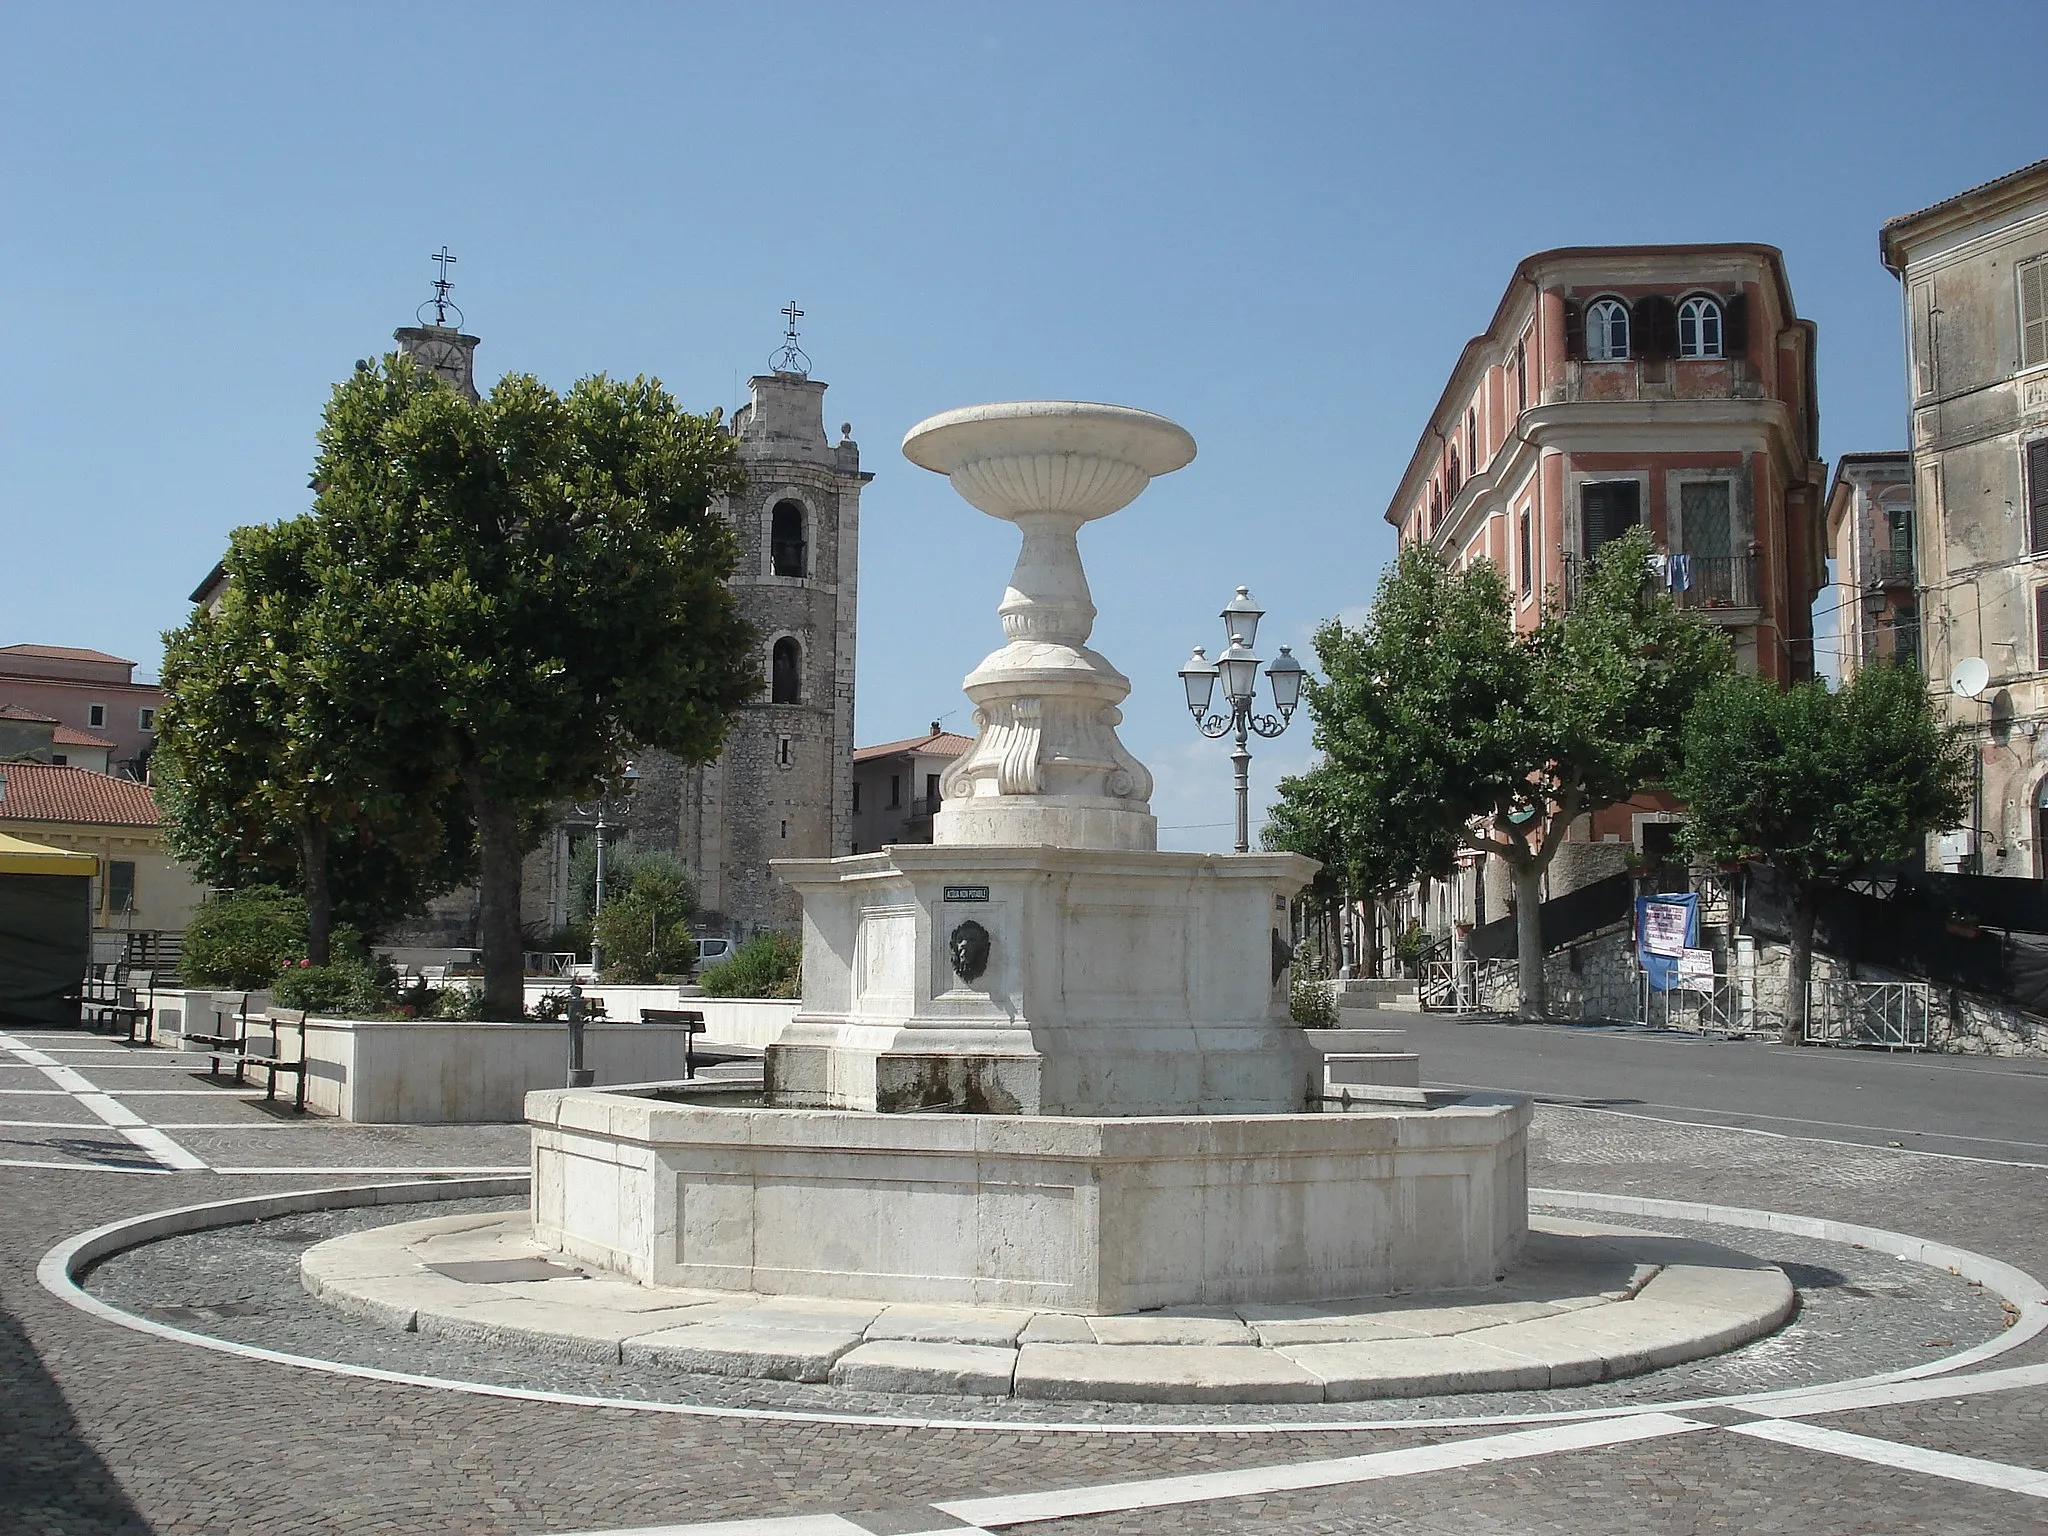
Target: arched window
786	672
1606	331
1699	328
1453	478
787	553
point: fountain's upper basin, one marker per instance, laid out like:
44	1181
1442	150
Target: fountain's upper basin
1073	457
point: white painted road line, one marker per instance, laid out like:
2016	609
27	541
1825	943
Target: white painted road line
1823	1400
1252	1482
420	1171
104	1108
774	1525
25	1162
1898	1455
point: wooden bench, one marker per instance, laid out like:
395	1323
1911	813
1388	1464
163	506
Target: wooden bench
690	1021
279	1019
230	1035
109	999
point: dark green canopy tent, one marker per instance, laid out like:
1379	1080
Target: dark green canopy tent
45	931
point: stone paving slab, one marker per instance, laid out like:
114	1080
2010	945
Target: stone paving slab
1595	1302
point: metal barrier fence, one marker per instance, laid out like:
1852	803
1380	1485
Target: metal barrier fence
1892	1014
1469	986
1727	1007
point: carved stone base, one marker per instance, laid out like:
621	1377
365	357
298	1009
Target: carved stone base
1111	983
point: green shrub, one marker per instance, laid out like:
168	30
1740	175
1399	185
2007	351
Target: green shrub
645	924
1310	998
767	965
244	939
348	988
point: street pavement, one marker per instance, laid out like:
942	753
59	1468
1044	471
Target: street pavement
106	1429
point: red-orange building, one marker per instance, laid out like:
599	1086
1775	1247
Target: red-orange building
1670	386
1667	385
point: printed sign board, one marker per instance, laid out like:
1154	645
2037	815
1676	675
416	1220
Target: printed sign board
967	893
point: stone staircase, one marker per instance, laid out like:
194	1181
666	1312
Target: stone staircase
1393	994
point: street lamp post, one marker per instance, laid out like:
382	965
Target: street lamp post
1239	669
605	810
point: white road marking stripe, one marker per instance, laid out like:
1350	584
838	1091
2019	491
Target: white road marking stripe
163	1149
41	1093
774	1525
1897	1454
226	1091
1204	1487
103	1107
108	1110
417	1171
45	1125
24	1162
1800	1405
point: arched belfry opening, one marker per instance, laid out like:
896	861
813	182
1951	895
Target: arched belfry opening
786	672
788	550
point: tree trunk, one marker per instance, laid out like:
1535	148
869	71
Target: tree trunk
1529	939
499	860
1799	968
319	898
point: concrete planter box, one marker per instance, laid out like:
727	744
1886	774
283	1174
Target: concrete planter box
437	1072
1073	1214
192	1011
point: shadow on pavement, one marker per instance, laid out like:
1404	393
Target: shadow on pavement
51	1480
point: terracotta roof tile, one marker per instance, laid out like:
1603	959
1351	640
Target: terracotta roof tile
941	744
50	792
23	712
64	736
63	653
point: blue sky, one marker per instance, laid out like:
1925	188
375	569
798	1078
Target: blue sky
1276	223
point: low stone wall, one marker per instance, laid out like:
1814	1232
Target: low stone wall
1594	978
750	1021
435	1072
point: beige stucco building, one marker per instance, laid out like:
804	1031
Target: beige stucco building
1973	277
139	886
1875	599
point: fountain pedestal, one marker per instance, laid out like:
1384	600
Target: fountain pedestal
1042	958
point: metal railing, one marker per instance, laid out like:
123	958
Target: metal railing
1468	986
1722	1004
1714	581
1893	1014
1891	568
1710	582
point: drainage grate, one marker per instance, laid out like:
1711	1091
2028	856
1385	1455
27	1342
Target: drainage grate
505	1271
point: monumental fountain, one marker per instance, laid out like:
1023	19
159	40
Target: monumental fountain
1042	1126
1039	1062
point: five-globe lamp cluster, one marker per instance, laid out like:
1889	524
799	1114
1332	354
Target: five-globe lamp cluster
1238	667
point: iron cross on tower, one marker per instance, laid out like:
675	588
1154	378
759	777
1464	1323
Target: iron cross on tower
792	358
442	284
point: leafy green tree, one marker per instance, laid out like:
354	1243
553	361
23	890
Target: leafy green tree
543	575
1445	727
1822	785
244	939
645	925
277	769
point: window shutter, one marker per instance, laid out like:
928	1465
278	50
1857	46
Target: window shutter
1735	326
1656	322
2034	312
2041	629
2037	497
1574	331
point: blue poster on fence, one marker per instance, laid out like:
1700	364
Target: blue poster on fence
1666	927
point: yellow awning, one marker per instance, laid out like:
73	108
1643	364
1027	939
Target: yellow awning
18	857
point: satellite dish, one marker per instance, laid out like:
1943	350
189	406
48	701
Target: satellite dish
1971	675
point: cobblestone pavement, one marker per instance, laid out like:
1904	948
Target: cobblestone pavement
105	1429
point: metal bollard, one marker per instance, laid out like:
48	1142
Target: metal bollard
580	1076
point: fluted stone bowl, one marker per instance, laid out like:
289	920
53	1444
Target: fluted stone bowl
1066	456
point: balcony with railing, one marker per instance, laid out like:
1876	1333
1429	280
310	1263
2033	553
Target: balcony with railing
1720	588
1891	568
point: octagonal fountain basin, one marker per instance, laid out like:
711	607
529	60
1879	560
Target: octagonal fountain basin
1063	1213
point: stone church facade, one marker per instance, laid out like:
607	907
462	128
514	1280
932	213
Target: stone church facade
783	786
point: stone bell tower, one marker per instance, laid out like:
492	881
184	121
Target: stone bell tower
783	786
